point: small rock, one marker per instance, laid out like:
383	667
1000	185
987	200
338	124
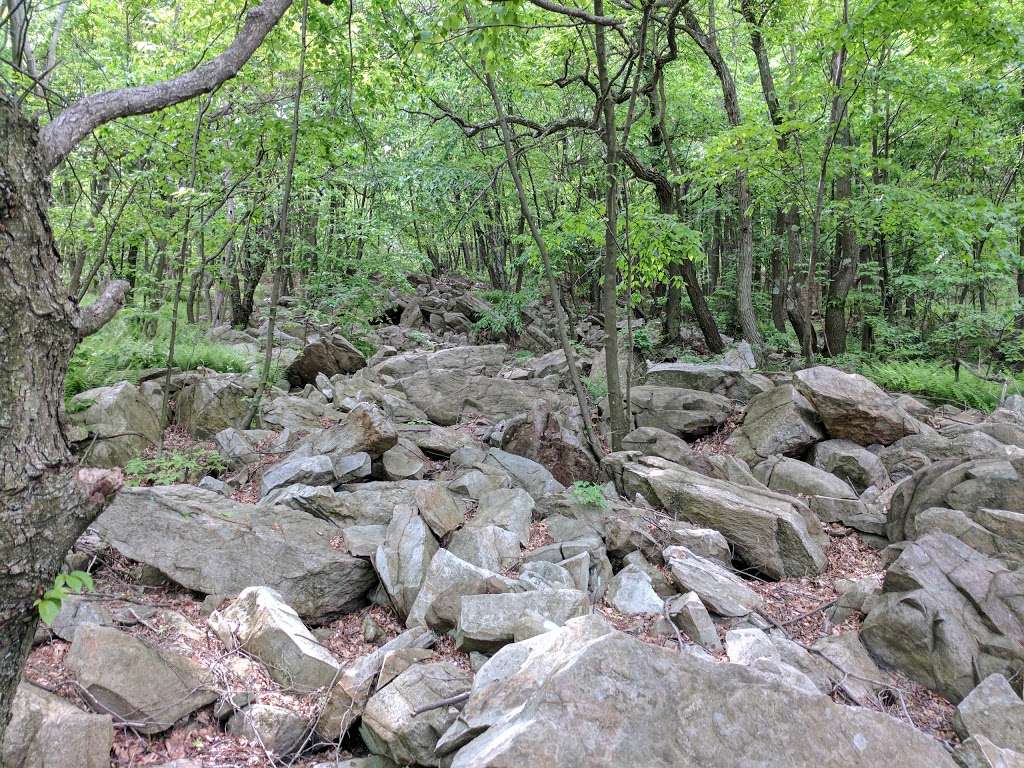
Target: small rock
993	710
280	731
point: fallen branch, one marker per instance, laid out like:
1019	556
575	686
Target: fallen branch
457	699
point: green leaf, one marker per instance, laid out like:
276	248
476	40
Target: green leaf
48	610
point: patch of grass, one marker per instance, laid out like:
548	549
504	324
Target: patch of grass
936	382
119	352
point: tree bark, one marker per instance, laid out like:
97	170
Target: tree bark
609	299
46	501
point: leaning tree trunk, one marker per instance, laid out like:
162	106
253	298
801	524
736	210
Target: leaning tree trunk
46	501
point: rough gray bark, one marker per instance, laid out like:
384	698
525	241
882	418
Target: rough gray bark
46	499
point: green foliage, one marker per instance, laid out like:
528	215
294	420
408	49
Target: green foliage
505	316
597	386
643	343
588	494
121	350
186	466
64	584
937	382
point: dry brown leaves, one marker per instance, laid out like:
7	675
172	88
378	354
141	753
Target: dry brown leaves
787	600
540	536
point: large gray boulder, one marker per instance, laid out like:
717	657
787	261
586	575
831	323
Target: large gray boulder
213	403
850	462
120	423
948	616
295	470
651	441
992	482
508	508
149	687
448	396
541	436
485	360
392	727
631	592
687	413
853	407
447	581
487	622
365	429
213	545
995	711
779	421
774	533
488	546
526	473
404	557
979	752
790	476
46	731
260	623
277	730
328	356
733	382
660	709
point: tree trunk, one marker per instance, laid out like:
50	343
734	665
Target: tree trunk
843	267
609	299
46	501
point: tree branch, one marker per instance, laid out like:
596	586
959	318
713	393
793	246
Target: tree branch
576	13
100	312
61	135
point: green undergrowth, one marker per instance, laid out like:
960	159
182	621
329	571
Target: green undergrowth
121	350
938	383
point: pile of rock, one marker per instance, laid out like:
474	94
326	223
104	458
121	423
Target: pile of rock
437	483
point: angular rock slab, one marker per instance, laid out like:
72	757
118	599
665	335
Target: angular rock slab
853	407
794	477
118	410
390	726
948	616
487	622
660	709
779	421
328	356
278	730
994	711
349	695
138	683
47	731
720	589
213	545
771	532
732	382
684	412
263	625
404	557
448	580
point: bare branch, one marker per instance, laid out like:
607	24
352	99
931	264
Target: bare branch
100	312
576	13
59	137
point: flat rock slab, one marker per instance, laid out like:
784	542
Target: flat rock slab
140	684
210	544
47	731
263	625
771	532
600	699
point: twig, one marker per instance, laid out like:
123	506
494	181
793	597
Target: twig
457	699
807	614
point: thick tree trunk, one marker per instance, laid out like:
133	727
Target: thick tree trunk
46	501
843	267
